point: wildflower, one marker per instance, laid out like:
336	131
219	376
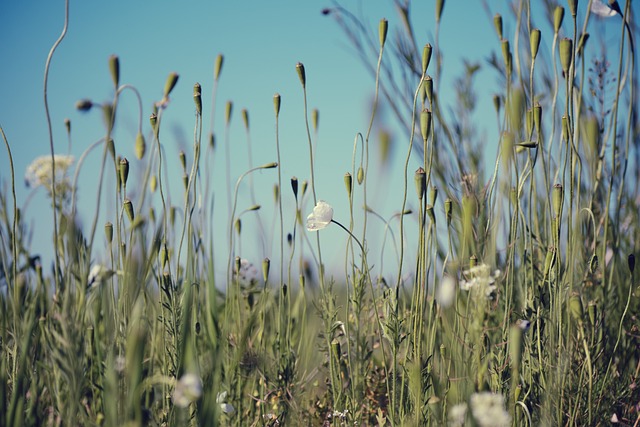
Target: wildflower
523	324
247	273
457	415
98	274
488	410
227	408
321	216
446	292
40	173
599	8
481	279
187	390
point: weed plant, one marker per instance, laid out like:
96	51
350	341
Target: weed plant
517	306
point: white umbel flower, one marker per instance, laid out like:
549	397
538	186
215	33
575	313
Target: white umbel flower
320	217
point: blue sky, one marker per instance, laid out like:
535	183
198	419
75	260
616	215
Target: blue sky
261	43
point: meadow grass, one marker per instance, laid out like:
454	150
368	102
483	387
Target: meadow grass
517	305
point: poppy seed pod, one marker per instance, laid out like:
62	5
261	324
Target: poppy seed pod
276	103
428	88
245	118
183	159
448	211
431	214
506	54
537	117
108	232
123	169
114	69
294	187
266	263
128	208
439	8
360	175
426	57
170	83
433	196
557	199
573	7
301	74
382	31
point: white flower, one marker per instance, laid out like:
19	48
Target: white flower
98	274
248	274
188	389
457	415
523	324
601	9
320	217
39	171
488	410
446	292
227	408
481	279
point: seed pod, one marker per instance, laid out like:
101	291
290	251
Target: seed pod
497	101
108	231
276	193
537	118
497	23
152	214
420	179
183	160
425	124
185	181
153	183
565	129
582	43
114	69
124	171
382	31
593	263
360	175
301	74
428	88
238	226
217	68
431	214
128	208
111	148
170	83
573	7
426	57
558	16
197	98
141	146
348	183
534	40
566	54
266	263
506	54
433	195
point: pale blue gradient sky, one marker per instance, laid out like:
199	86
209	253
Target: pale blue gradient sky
261	43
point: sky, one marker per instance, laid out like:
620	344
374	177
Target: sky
261	43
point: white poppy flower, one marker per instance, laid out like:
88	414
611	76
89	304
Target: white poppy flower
98	274
601	9
320	217
188	389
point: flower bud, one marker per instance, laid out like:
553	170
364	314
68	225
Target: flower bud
183	159
360	175
420	179
428	88
128	208
348	183
575	307
245	118
170	83
197	98
426	57
566	54
108	231
67	125
558	16
433	195
228	112
276	103
315	119
84	105
439	8
425	124
124	171
631	261
301	74
114	69
217	68
534	41
497	23
382	31
141	146
294	187
573	7
266	263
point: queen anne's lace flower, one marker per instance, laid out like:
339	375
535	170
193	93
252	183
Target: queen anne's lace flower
40	174
320	217
480	279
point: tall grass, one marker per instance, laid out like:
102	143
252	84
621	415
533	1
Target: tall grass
516	305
